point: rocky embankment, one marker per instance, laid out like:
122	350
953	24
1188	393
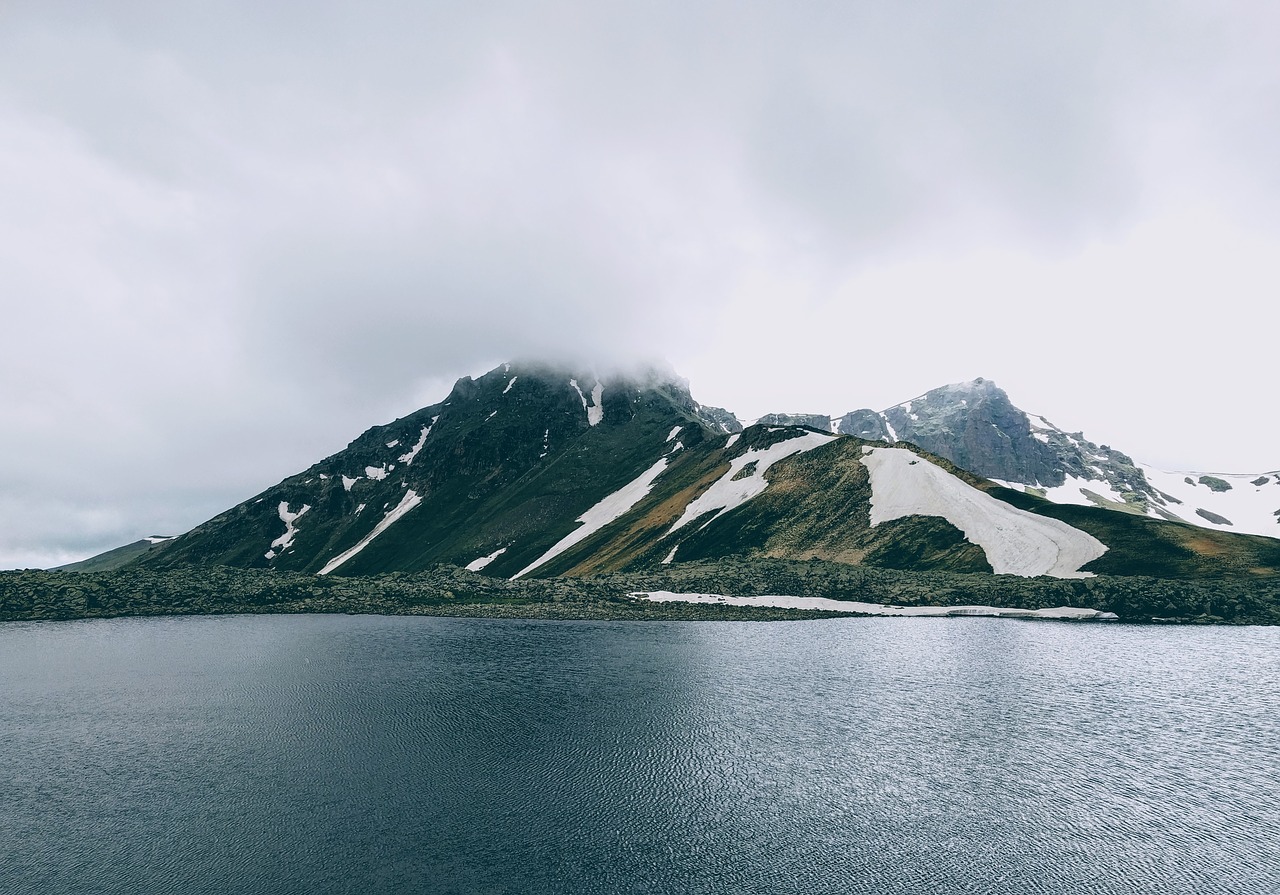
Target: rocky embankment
447	590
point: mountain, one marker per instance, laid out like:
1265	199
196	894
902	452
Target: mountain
492	475
976	426
535	470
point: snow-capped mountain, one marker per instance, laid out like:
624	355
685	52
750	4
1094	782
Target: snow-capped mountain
536	470
976	426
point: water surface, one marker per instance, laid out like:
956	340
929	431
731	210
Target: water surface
281	754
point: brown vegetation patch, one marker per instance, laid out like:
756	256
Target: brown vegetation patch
1205	546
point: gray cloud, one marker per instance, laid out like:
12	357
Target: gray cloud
231	239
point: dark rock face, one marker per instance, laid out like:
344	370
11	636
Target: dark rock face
976	426
1215	484
972	424
718	419
813	420
865	424
1213	517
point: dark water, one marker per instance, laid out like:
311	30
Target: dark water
337	754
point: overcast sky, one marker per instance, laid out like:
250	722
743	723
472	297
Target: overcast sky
235	236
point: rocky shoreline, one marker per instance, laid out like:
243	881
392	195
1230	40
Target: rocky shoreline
451	591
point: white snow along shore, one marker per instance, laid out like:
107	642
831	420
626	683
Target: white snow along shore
1016	542
600	515
823	604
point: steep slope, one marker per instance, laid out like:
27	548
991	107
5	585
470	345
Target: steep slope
977	427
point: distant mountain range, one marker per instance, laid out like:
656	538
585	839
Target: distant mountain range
976	426
535	470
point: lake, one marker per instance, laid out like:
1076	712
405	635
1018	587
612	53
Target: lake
317	754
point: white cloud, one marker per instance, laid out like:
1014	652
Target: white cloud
231	239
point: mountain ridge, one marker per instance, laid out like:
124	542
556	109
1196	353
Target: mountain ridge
975	425
538	470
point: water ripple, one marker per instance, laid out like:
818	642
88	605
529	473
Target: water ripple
333	754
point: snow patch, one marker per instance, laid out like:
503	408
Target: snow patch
1016	542
158	539
670	556
359	508
407	503
348	481
674	432
595	413
407	459
290	520
823	604
491	416
477	564
612	507
509	384
392	444
733	439
376	473
893	435
728	492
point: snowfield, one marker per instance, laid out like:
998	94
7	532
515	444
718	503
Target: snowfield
728	492
1016	542
1073	491
1247	507
1250	508
824	604
600	515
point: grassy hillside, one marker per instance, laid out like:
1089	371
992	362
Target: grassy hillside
112	559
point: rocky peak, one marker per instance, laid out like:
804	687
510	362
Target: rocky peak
973	424
820	421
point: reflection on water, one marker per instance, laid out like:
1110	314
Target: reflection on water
366	754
